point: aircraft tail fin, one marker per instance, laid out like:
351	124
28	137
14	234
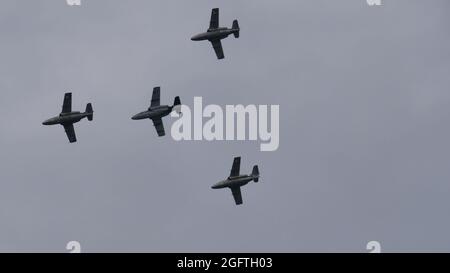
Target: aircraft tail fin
176	101
255	173
236	28
177	104
89	111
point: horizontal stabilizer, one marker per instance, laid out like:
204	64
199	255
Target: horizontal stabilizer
89	111
255	173
236	28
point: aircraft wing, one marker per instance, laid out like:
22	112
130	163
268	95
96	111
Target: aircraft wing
157	122
218	49
236	167
214	22
236	191
67	104
70	132
156	97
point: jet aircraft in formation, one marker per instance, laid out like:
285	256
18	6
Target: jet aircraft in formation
67	117
236	180
215	33
156	111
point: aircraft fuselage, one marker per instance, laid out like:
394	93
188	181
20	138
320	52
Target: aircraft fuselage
64	118
214	34
233	182
154	112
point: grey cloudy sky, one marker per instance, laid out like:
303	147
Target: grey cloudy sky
364	126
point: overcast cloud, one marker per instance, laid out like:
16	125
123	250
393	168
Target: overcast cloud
364	126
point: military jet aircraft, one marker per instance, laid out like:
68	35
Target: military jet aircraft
156	111
235	181
67	117
216	33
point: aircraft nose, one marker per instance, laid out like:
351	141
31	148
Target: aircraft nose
195	37
46	122
135	117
